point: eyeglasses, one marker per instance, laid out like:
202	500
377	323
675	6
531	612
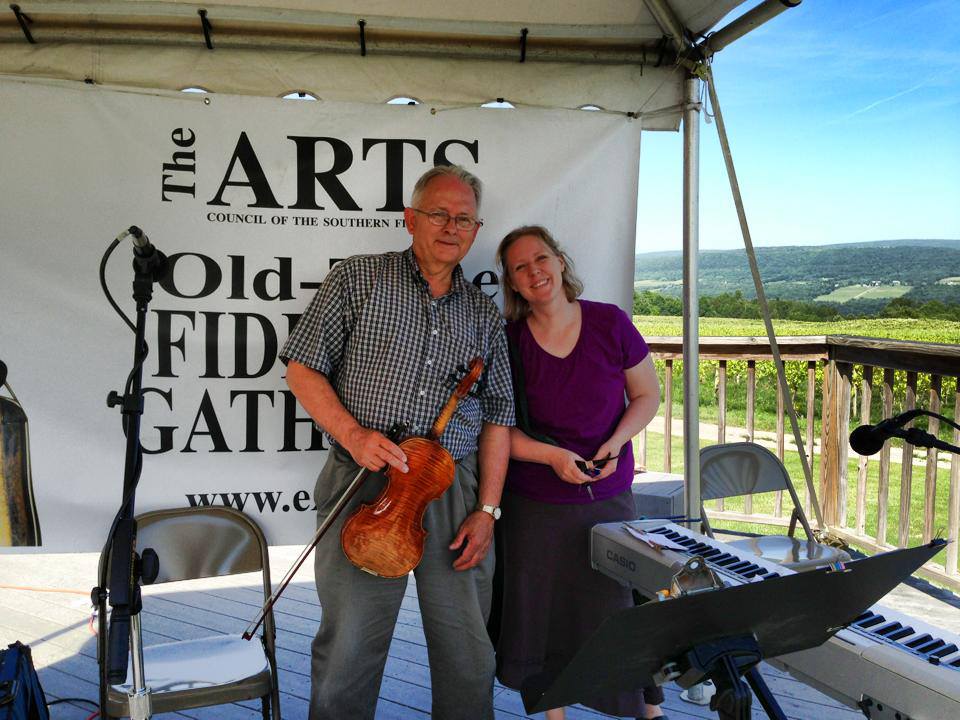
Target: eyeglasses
440	218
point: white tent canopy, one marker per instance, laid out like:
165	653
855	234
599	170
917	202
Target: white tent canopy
608	53
642	58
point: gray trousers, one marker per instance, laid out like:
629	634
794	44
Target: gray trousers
359	610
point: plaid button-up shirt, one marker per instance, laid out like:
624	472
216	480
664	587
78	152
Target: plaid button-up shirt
392	351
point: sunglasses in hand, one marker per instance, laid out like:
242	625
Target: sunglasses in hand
592	467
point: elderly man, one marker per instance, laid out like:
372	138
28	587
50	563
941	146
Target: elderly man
377	346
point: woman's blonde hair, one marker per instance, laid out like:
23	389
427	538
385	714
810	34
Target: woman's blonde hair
514	306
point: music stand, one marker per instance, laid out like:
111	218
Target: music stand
722	634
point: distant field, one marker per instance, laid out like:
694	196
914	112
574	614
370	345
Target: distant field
942	331
653	284
945	281
865	292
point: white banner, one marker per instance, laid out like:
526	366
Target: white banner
252	199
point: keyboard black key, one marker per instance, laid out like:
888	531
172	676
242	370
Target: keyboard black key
918	641
945	650
928	648
871	620
902	633
885	630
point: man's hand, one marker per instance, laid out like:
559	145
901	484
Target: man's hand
474	536
374	450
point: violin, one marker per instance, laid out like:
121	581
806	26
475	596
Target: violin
386	537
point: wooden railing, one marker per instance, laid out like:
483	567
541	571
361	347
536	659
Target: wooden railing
856	379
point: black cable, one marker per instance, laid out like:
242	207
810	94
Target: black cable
92	703
106	290
911	415
947	420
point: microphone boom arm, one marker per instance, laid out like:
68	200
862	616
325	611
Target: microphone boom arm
920	438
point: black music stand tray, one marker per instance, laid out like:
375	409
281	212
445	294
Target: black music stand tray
722	634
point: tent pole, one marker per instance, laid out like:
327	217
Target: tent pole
669	23
784	386
750	20
691	305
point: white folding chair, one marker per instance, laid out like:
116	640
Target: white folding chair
744	468
197	543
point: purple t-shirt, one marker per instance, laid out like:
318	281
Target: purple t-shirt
578	400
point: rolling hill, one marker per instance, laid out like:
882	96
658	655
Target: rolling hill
862	273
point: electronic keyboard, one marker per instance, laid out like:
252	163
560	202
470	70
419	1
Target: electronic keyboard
885	663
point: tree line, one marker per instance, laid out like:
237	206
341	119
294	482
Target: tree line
735	305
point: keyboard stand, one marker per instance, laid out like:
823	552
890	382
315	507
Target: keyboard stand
723	633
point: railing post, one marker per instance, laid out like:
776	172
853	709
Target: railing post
641	462
778	496
845	377
751	409
883	484
721	409
906	467
811	423
953	505
722	402
866	399
667	414
930	484
829	444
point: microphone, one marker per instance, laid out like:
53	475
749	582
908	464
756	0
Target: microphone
3	372
142	246
869	439
146	258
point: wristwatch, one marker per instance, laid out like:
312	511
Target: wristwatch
492	510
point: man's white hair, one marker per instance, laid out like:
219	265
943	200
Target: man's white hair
454	171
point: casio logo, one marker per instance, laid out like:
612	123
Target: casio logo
621	561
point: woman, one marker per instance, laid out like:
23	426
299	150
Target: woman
571	465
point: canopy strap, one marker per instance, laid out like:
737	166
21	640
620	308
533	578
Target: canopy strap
23	19
761	296
207	28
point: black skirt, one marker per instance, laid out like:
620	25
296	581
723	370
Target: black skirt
552	599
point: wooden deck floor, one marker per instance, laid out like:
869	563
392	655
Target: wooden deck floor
57	625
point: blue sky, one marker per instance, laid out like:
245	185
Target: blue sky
844	121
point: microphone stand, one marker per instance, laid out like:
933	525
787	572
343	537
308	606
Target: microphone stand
920	438
126	566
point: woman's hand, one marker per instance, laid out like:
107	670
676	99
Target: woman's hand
610	449
564	464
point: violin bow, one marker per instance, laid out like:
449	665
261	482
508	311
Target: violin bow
348	494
